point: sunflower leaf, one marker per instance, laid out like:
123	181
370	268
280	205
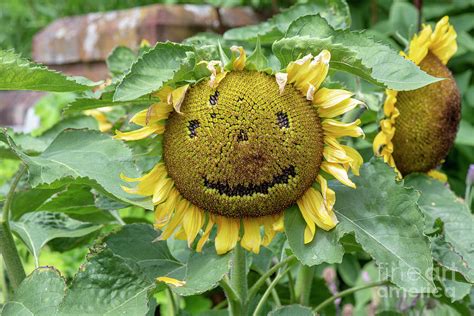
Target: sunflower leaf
83	157
165	63
352	52
438	202
39	294
336	12
135	242
17	73
38	228
386	222
108	285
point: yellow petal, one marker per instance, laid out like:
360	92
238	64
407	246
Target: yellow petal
329	196
156	112
438	175
310	229
327	98
147	182
171	281
268	228
177	97
418	48
338	129
390	101
192	223
104	124
356	159
164	210
338	172
338	109
162	189
176	220
443	40
251	239
141	133
313	203
163	93
336	155
308	73
239	62
205	235
227	234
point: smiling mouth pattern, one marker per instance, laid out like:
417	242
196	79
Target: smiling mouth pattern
242	190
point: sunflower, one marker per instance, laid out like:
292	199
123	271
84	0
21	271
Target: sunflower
420	125
241	146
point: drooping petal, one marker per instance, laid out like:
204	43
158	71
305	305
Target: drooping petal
205	235
239	62
338	129
443	40
147	182
104	124
338	172
227	234
326	98
308	72
192	223
251	239
162	189
171	281
141	133
176	220
356	159
177	97
164	210
281	79
153	114
438	175
419	45
339	108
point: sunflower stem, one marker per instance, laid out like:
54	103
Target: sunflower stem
238	278
348	292
303	284
13	264
271	287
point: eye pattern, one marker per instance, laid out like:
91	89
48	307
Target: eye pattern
213	115
192	126
213	98
282	120
242	136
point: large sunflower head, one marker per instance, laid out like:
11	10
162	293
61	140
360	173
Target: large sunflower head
242	146
420	125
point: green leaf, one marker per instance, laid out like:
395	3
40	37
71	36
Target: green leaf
336	12
163	64
39	294
83	104
35	145
257	60
38	228
120	60
292	310
437	201
349	269
135	242
464	135
83	156
17	73
386	222
352	52
323	248
403	18
107	285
